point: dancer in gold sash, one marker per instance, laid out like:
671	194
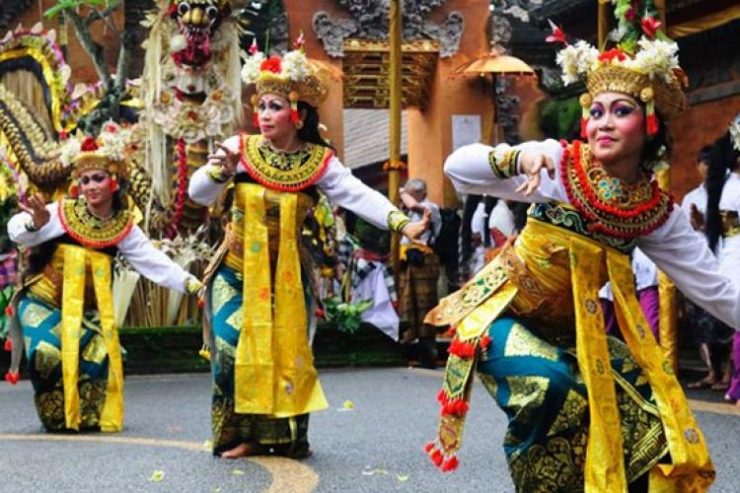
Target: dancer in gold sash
65	308
259	294
586	411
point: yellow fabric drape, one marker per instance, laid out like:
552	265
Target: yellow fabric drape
604	469
76	261
691	467
274	372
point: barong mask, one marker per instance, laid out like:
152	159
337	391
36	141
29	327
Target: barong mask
292	76
643	64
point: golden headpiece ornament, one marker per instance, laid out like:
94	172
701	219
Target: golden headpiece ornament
108	152
291	76
644	65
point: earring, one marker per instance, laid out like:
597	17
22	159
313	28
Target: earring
74	191
299	124
113	185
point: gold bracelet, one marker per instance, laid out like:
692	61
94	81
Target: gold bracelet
504	163
397	220
216	173
192	285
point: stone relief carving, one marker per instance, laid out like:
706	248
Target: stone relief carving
369	20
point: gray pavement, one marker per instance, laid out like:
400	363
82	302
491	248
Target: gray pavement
374	447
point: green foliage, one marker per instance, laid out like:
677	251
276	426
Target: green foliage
629	15
6	294
560	118
346	315
63	5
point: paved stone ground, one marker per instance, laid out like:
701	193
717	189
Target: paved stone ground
375	447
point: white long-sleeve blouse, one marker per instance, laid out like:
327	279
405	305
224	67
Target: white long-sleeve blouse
337	182
674	246
135	248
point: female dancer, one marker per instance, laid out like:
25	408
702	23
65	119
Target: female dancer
586	412
65	308
259	294
723	207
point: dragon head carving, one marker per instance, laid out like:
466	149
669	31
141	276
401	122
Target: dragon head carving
197	22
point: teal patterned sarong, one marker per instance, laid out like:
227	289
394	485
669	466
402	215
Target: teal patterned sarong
282	436
41	325
545	446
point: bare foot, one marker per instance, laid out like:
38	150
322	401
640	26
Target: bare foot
243	450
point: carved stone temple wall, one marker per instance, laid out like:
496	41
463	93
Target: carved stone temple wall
439	36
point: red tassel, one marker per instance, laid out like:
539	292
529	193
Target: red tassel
441	396
450	464
74	191
113	184
9	311
201	303
12	378
8	346
436	457
485	341
652	124
584	122
428	447
294	116
255	119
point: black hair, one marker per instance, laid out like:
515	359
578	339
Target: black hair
310	130
723	157
660	145
703	154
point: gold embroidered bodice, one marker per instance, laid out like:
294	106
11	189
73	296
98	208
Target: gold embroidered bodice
91	231
608	205
288	172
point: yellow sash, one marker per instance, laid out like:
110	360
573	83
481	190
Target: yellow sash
691	468
76	260
274	372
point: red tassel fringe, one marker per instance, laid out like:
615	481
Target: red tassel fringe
9	311
11	377
463	350
8	346
294	116
485	341
652	124
445	465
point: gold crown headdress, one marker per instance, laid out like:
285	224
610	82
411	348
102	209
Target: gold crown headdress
643	65
292	76
108	152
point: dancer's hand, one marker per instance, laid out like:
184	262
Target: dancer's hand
697	218
227	159
415	229
36	208
530	164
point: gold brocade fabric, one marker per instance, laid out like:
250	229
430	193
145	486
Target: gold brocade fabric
92	231
288	172
537	280
77	260
274	371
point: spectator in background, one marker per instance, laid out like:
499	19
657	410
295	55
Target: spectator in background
712	335
419	273
723	225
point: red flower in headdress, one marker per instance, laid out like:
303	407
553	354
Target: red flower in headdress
610	55
650	26
89	144
557	36
272	64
